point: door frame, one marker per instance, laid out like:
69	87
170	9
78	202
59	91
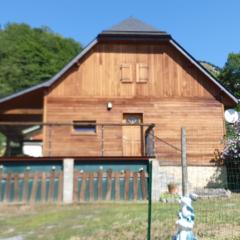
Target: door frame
141	129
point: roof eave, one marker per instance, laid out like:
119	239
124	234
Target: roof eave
71	63
203	70
22	92
55	77
134	34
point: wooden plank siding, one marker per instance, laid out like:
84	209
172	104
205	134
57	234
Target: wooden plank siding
203	120
99	74
175	94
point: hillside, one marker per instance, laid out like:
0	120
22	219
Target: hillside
213	69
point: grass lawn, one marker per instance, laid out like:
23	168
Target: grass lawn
216	219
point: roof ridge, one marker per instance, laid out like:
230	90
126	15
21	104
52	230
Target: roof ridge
132	24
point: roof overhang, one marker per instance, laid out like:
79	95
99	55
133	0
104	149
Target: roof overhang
203	70
47	84
133	36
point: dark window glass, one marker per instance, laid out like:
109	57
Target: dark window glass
84	126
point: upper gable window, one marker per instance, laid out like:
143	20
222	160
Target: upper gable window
142	73
126	73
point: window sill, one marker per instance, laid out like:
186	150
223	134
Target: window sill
126	81
142	82
83	134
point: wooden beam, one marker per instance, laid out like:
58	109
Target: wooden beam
22	111
70	124
76	158
25	119
184	162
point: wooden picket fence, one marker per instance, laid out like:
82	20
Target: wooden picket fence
31	187
100	186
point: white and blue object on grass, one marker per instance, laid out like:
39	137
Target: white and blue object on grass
186	219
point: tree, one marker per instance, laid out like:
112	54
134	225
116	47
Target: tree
29	56
230	74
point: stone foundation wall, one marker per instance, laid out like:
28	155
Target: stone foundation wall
198	177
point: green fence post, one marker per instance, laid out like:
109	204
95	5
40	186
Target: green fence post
149	200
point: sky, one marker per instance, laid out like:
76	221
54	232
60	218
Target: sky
207	29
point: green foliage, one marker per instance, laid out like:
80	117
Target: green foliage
230	131
230	74
213	69
2	143
231	157
31	55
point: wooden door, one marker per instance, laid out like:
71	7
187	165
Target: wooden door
132	139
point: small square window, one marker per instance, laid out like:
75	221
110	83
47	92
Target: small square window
142	73
126	73
84	127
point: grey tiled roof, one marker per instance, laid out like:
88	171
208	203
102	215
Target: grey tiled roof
132	25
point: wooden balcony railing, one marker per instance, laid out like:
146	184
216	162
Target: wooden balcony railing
81	138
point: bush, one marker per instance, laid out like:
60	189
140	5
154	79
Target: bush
231	157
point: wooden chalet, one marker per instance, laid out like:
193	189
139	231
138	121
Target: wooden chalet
127	94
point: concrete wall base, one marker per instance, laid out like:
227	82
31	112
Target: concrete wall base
68	171
156	190
198	177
